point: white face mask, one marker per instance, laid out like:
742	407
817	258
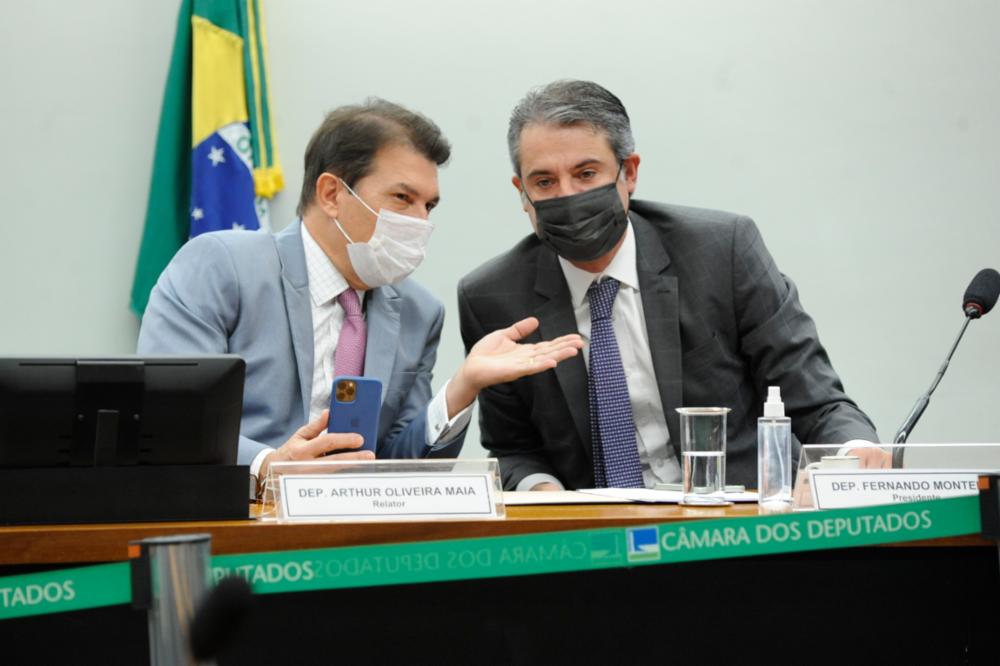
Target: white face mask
394	251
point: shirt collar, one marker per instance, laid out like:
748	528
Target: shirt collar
621	268
325	281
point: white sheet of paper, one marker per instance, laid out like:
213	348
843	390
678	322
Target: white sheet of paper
538	497
658	496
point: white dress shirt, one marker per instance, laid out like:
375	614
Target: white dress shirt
629	323
325	284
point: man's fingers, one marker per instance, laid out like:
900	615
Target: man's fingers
354	455
557	349
332	441
315	427
540	364
565	342
535	360
559	355
872	458
554	352
573	339
536	364
521	328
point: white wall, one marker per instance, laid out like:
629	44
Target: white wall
861	136
80	91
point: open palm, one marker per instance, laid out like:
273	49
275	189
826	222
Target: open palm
500	357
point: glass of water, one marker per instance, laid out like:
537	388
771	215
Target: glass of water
703	454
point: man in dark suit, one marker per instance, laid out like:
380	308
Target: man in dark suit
677	306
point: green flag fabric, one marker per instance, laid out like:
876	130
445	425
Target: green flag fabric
216	163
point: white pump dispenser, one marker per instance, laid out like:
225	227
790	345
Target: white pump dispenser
774	455
774	408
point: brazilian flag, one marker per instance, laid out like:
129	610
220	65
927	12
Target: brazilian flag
216	164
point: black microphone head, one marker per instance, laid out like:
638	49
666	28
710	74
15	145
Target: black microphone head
219	617
982	293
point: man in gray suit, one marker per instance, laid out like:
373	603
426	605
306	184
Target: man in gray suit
330	295
677	307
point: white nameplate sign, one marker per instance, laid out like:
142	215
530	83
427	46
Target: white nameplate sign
846	488
389	496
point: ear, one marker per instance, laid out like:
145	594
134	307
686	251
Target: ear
630	169
328	188
516	182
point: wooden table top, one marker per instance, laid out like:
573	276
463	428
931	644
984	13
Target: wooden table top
45	544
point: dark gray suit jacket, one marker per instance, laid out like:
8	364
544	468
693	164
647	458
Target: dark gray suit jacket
723	324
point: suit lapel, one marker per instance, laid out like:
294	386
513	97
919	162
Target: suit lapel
382	308
556	318
661	309
295	284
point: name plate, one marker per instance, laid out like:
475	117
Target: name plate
845	488
414	495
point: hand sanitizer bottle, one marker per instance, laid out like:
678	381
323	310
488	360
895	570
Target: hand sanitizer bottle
774	455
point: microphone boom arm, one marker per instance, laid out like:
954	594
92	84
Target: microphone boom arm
918	409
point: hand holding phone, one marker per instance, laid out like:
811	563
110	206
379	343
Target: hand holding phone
355	403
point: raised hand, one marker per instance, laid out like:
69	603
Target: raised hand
500	357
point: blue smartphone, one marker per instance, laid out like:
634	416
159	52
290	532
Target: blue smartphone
354	407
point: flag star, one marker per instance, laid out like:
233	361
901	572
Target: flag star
215	156
237	225
197	214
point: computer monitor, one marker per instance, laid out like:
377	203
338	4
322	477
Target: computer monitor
121	411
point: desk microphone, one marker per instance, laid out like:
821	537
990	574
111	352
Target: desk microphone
979	299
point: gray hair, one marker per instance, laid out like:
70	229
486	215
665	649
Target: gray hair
570	102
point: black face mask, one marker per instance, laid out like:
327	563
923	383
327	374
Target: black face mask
582	226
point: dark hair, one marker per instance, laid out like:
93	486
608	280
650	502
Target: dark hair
569	102
346	143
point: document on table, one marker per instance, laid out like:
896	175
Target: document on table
608	496
650	496
537	497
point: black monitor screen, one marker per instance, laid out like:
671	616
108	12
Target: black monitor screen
120	411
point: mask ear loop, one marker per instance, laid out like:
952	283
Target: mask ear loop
337	222
524	195
355	195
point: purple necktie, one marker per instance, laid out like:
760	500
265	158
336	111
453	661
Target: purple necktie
349	358
612	431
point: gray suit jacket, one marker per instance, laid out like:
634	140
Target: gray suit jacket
247	293
723	324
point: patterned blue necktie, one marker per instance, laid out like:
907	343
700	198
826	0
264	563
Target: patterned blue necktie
616	455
